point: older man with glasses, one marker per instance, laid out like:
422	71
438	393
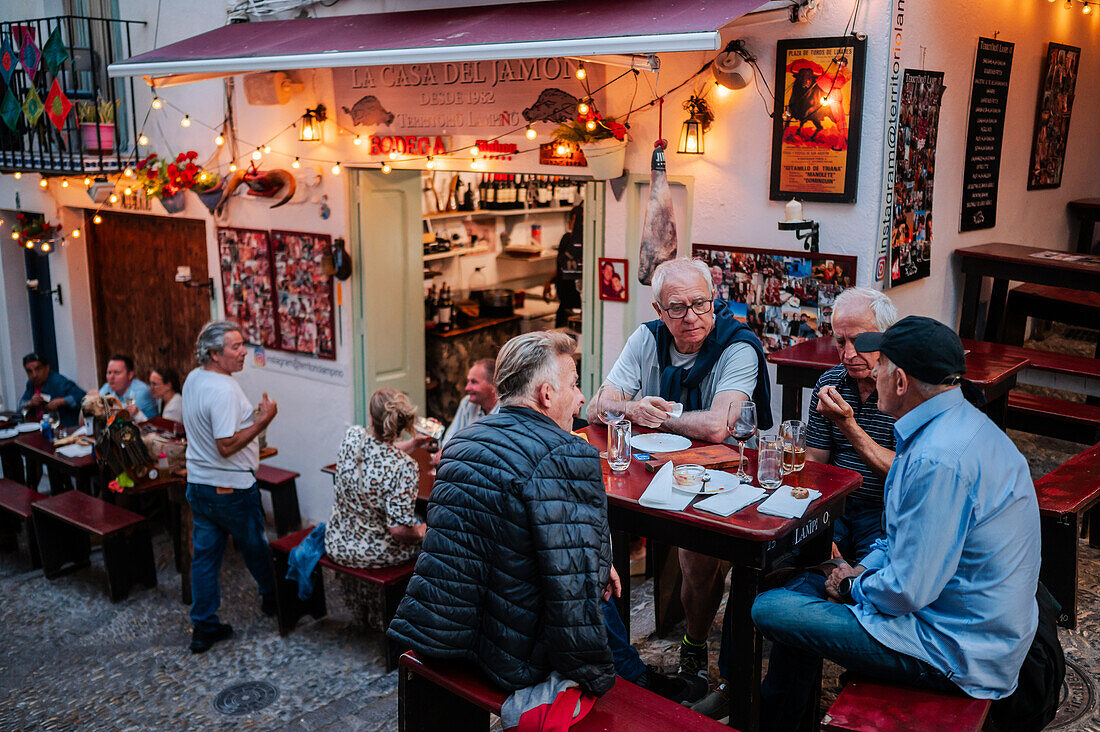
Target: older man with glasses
695	354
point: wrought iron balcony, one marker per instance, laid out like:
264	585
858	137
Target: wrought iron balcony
59	113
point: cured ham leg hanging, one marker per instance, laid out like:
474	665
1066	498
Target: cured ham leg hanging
659	230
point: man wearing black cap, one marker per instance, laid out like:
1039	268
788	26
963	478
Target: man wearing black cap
947	599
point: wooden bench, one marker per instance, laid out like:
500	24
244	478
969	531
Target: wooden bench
284	496
1064	494
64	525
1044	302
16	517
436	695
869	706
391	582
1053	417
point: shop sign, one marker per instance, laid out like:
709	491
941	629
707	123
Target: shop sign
478	98
496	150
573	158
985	134
408	145
330	372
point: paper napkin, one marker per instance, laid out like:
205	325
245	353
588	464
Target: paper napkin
783	504
659	494
731	501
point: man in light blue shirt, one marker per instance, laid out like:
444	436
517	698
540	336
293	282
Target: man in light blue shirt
122	384
947	599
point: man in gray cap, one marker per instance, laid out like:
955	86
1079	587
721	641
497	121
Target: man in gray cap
947	599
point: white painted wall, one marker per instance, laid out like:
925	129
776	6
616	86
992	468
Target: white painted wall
15	329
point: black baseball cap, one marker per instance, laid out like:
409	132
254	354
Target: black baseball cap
924	348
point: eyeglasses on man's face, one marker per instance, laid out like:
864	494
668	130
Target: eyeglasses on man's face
677	311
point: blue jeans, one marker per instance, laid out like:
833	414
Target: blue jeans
216	516
806	627
628	663
859	528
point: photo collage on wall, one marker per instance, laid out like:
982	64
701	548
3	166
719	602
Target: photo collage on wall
786	297
918	125
274	287
1056	91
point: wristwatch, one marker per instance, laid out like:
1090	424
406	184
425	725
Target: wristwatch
844	589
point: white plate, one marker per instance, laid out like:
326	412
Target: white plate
719	482
28	427
659	442
7	434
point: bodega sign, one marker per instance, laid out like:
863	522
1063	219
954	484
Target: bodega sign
408	145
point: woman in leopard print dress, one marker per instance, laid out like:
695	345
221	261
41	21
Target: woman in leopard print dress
373	524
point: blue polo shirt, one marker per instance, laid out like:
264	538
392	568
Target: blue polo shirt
140	393
953	583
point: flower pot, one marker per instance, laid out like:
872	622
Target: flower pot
99	138
606	158
174	203
210	198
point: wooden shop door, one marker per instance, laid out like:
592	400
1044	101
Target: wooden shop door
138	307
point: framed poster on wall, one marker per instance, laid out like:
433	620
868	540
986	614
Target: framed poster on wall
247	284
1056	90
306	307
817	113
613	283
785	296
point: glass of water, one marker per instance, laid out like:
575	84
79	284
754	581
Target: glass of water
618	445
769	463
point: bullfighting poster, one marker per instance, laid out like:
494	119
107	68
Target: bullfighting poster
786	297
1056	90
247	288
816	119
306	306
918	123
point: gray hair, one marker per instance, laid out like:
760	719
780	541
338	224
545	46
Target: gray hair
680	266
528	361
881	307
212	339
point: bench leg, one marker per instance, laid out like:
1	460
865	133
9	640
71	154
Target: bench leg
32	543
425	707
284	506
1094	527
391	598
290	608
11	460
1059	567
59	545
128	559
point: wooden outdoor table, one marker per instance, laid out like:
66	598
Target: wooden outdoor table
63	471
1087	211
753	542
11	460
1005	263
993	369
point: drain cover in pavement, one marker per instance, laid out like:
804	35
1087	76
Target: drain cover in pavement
1076	698
245	698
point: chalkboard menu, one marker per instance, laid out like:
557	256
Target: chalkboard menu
985	133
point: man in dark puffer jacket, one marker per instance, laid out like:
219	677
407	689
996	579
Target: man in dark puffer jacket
517	556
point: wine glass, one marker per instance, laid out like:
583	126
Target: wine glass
609	407
741	425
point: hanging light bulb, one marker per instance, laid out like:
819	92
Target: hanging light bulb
87	181
129	172
561	149
18	175
267	149
394	154
336	168
582	108
530	132
15	235
475	151
43	183
75	233
157	104
113	198
296	164
186	121
97	219
430	164
1087	10
30	244
45	246
581	73
386	168
256	154
143	140
202	177
64	182
358	140
590	125
219	140
232	167
127	191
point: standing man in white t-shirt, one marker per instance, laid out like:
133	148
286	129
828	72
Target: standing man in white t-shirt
222	457
696	354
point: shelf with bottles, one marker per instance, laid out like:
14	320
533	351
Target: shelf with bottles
498	195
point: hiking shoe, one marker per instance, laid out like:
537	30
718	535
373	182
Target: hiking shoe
716	704
694	661
269	605
201	640
680	689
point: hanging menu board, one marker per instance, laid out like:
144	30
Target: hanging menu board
985	133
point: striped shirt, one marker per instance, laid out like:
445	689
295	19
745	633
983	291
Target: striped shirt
822	434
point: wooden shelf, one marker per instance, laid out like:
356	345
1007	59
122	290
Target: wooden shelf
493	214
460	252
524	257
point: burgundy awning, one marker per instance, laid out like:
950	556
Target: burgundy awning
524	30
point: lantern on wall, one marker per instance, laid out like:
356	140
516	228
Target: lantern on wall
693	130
309	129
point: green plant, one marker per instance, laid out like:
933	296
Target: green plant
101	111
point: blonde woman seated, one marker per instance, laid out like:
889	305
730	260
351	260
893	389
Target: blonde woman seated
373	523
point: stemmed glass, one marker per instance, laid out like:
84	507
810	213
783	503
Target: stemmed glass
741	425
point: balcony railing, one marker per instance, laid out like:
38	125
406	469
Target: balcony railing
74	70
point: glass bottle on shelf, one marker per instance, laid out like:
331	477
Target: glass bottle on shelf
489	200
467	202
445	306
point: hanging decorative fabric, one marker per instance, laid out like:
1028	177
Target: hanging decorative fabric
10	110
8	60
26	34
32	106
55	52
57	105
30	56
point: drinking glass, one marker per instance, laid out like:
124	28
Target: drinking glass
769	463
618	445
54	420
741	425
792	434
609	404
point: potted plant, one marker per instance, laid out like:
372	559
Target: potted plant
603	141
209	187
97	125
32	231
167	179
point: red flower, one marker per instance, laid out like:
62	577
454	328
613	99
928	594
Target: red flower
172	169
191	154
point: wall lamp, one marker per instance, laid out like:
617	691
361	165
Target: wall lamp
32	285
310	128
183	276
805	230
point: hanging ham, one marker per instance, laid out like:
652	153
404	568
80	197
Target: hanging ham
659	231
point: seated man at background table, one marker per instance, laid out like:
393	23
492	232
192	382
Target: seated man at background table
515	573
480	399
846	427
49	391
947	599
695	353
132	392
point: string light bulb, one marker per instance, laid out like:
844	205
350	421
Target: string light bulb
256	154
219	140
15	235
561	149
232	167
394	154
202	177
87	181
530	132
65	183
358	140
1068	5
128	191
186	121
581	73
157	104
18	175
336	168
430	164
97	219
75	234
113	198
129	172
45	246
1087	10
267	149
43	183
386	168
590	125
30	244
296	164
475	151
143	140
582	108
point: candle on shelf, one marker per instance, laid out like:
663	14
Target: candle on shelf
794	211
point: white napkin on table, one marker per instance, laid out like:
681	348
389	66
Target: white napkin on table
659	494
75	451
732	501
783	504
5	434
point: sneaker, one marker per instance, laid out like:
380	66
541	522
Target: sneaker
201	640
716	704
694	661
680	689
269	605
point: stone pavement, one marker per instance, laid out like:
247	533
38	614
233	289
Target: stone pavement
70	659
